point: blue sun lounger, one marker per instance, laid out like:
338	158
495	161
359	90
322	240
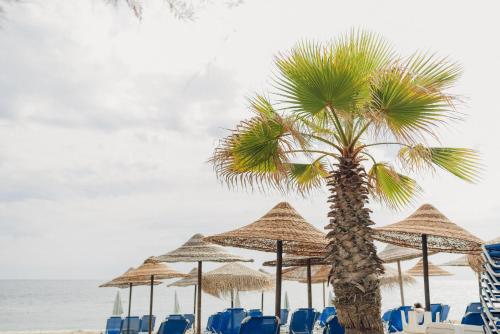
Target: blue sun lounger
113	325
327	312
333	326
175	324
145	323
231	319
135	325
260	325
302	321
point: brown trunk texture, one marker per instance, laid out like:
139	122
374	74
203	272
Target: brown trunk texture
356	266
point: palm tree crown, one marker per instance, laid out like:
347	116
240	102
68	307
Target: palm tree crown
339	100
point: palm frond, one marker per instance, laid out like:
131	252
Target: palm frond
461	162
432	73
314	76
410	105
391	187
306	177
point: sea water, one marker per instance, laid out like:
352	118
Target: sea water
79	304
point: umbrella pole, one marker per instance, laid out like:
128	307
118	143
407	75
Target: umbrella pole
262	301
194	306
151	306
324	305
309	285
232	298
279	263
426	273
129	304
198	301
400	278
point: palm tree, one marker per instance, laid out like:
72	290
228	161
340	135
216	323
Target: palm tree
333	104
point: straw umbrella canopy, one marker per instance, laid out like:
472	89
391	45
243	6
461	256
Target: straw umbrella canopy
304	261
232	277
391	277
150	269
392	253
475	261
282	229
418	270
428	229
191	280
461	261
117	282
196	249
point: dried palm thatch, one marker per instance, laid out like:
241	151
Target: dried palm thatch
298	261
190	280
115	282
283	223
392	253
461	261
235	277
442	234
418	270
390	278
197	249
475	261
150	268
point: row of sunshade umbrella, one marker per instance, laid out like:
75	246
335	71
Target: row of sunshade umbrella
284	230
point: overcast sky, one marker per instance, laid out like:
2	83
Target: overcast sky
106	122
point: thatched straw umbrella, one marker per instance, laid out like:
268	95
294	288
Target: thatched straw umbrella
280	230
232	277
198	250
392	277
191	280
117	282
151	269
392	253
428	229
418	270
304	261
475	261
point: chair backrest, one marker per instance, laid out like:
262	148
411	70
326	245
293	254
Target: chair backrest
302	321
387	315
444	313
405	310
474	308
327	312
254	313
231	320
175	324
216	322
210	321
435	309
135	325
190	318
145	323
283	316
333	326
472	319
113	325
395	321
260	325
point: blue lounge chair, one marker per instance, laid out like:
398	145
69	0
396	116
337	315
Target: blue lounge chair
387	315
395	323
283	316
210	321
135	325
190	318
327	312
444	313
175	324
333	326
113	325
260	325
231	320
302	321
474	308
216	322
472	319
145	323
435	309
254	313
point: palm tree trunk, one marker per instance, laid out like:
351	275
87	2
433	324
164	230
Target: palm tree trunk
356	266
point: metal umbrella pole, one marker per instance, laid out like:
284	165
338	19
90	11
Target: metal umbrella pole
279	263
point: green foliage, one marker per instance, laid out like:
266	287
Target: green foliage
338	100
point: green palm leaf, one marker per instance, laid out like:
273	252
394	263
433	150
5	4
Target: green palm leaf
391	187
305	177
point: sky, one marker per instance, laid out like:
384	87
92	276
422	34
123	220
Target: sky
107	121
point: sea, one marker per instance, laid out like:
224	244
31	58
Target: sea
35	305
